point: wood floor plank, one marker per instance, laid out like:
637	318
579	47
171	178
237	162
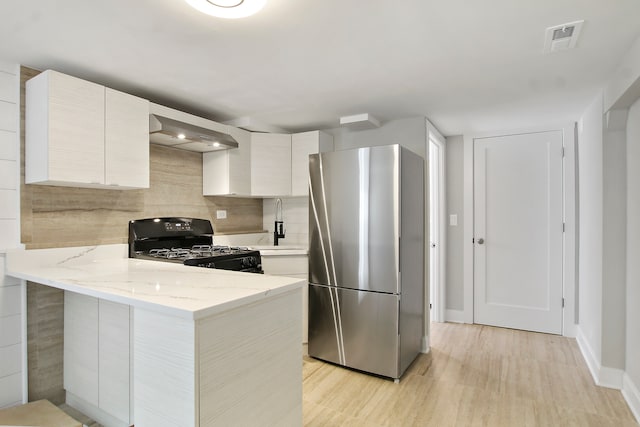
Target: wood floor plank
474	376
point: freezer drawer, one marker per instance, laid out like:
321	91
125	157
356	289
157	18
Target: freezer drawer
358	329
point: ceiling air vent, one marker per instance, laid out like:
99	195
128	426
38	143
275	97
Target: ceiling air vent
562	37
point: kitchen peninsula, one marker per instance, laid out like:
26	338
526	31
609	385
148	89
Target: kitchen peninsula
163	344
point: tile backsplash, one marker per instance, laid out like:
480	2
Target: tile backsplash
295	214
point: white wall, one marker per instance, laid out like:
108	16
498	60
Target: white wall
633	250
602	287
9	154
614	248
590	229
454	235
609	174
11	290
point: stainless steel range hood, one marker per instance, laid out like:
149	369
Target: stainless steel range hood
180	134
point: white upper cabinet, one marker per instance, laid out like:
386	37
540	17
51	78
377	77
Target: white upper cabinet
264	164
126	140
64	130
228	172
302	145
259	167
270	164
81	134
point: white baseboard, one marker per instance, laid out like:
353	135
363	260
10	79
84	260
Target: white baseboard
455	316
602	375
631	394
610	377
569	330
426	348
593	363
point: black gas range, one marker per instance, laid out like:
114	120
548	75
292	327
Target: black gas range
188	241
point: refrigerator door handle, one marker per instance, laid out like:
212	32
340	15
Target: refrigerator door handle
399	320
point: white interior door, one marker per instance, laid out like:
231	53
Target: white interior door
518	230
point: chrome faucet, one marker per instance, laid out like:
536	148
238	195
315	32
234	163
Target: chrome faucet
278	228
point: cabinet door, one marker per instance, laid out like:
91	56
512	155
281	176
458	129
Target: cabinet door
75	121
303	144
215	173
81	346
270	164
227	172
291	266
114	359
126	140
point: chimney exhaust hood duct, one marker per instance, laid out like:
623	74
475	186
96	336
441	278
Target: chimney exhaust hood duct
179	134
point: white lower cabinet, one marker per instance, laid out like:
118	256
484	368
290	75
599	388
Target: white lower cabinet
81	346
97	358
291	266
114	359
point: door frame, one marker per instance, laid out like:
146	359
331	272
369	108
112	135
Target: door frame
438	288
569	264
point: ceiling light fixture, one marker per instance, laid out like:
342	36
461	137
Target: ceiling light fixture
230	9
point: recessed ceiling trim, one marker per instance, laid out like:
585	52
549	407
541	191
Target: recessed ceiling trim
230	9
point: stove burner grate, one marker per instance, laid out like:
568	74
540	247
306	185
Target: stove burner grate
197	251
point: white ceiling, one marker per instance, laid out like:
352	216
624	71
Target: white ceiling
301	64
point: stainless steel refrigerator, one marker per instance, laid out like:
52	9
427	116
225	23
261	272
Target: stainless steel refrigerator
366	258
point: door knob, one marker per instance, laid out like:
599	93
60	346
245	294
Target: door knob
481	241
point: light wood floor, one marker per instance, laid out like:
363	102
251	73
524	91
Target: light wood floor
474	375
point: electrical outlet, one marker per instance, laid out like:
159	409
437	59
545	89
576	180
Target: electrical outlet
453	220
221	214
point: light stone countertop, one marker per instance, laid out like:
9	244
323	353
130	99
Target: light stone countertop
281	250
170	288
